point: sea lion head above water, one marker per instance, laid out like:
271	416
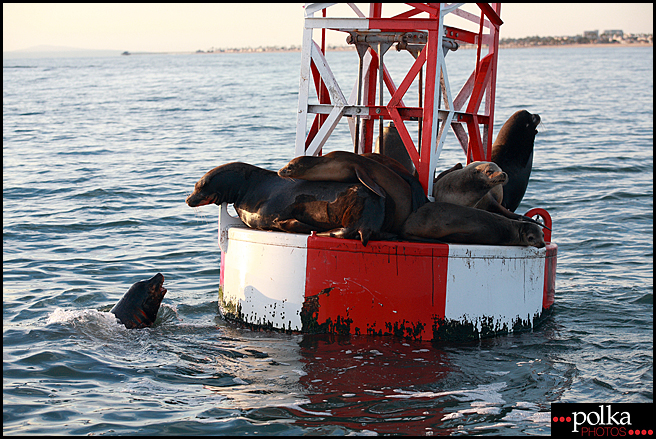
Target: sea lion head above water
138	307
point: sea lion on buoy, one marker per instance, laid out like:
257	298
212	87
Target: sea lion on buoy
138	307
264	200
393	147
467	186
513	152
478	185
445	222
418	196
349	167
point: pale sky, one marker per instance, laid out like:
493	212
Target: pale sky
169	27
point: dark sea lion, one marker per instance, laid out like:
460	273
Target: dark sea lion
349	167
445	222
479	185
418	196
513	152
264	200
394	148
467	186
138	307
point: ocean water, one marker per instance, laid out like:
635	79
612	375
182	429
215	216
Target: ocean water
99	155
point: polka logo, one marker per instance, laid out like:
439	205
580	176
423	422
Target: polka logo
601	420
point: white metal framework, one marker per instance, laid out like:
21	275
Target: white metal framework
428	40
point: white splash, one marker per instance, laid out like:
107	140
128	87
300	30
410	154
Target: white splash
64	315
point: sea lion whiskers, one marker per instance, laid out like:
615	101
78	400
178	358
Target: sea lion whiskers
197	211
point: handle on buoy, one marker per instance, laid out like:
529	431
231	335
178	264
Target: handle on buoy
545	217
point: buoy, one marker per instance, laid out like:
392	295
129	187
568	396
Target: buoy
440	292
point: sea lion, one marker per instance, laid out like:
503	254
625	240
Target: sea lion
513	152
445	222
138	307
479	185
349	167
418	196
394	148
467	186
264	200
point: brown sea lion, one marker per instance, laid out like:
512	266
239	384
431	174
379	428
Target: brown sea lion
263	200
418	196
394	148
513	152
479	185
445	222
467	186
349	167
138	307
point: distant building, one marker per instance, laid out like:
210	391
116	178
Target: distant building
613	33
591	34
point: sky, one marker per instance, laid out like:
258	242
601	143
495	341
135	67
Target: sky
167	27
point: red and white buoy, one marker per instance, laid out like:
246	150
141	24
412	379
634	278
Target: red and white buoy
422	291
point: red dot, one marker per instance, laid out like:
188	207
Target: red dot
644	431
555	418
569	419
630	432
637	432
562	419
650	432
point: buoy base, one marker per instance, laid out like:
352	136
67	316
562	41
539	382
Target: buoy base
310	284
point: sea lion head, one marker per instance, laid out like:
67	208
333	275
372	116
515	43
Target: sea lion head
221	184
203	193
138	307
522	124
531	234
324	168
152	295
490	172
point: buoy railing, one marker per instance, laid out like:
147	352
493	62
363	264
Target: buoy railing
428	39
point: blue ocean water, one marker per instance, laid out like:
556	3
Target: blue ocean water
99	155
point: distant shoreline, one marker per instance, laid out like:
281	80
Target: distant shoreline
347	48
517	46
86	53
501	46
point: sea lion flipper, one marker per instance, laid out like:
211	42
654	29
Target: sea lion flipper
293	225
369	183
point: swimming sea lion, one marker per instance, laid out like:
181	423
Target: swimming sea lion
264	200
513	152
349	167
445	222
138	307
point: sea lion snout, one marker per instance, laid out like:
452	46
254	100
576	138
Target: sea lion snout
156	284
300	166
532	235
196	200
499	178
285	171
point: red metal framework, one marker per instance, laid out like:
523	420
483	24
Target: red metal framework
428	39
